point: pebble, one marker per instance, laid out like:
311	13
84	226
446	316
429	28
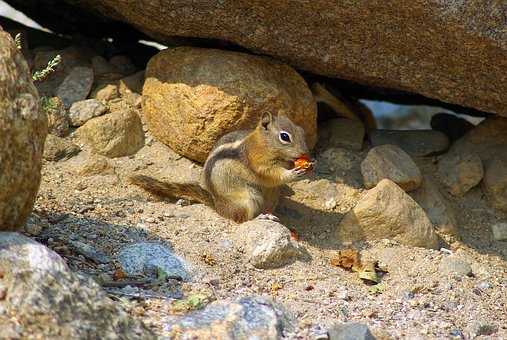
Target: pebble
82	111
350	331
76	86
499	231
453	265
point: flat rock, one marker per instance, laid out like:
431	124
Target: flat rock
193	96
436	206
82	111
414	142
350	331
341	133
116	134
386	211
495	183
391	162
248	317
96	165
57	148
499	231
50	301
452	126
455	266
23	129
76	86
146	258
268	244
460	171
58	119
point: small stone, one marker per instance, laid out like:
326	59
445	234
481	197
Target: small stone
146	258
105	92
453	265
76	86
57	148
460	171
417	143
35	225
132	84
90	252
96	165
116	134
499	231
452	126
495	183
82	111
387	212
341	132
58	120
250	317
350	331
438	209
484	285
391	162
123	64
268	244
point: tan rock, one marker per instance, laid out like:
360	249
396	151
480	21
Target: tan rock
390	161
57	148
116	134
133	83
58	119
105	92
193	96
460	171
23	130
96	165
495	183
386	211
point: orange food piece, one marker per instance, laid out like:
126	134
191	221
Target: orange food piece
303	162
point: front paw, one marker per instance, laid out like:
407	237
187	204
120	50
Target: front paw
294	174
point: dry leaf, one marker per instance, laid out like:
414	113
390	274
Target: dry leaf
276	287
347	259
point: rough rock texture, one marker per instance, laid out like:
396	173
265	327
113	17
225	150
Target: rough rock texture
495	183
193	96
455	266
249	317
76	86
341	132
82	111
386	211
23	130
350	331
413	142
438	209
460	171
499	231
268	244
57	148
50	301
116	134
147	258
389	161
451	50
58	119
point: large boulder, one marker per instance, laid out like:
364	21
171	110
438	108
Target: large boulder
455	51
23	130
193	96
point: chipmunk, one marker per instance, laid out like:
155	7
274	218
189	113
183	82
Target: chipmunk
244	171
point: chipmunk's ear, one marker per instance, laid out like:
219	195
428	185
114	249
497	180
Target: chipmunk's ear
266	120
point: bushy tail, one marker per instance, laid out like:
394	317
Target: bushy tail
192	192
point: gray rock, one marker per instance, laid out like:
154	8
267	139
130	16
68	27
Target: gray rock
414	142
495	183
460	171
436	206
117	134
499	231
58	119
76	86
50	301
90	252
245	318
350	331
386	211
57	148
147	258
455	266
23	129
268	244
391	162
82	111
341	132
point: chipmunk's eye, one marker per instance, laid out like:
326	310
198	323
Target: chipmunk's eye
284	137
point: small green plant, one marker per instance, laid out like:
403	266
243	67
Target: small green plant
17	41
44	73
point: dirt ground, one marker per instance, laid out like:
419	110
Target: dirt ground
418	300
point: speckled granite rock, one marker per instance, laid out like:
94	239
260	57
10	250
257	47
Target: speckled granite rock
23	130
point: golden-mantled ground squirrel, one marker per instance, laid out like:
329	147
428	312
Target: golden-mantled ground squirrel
244	171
